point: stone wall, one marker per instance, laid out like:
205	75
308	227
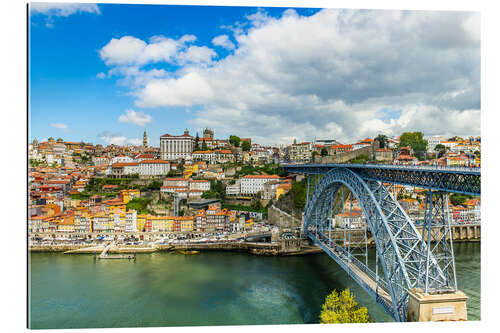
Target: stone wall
345	157
282	219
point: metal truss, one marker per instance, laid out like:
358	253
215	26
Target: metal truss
404	257
458	180
437	228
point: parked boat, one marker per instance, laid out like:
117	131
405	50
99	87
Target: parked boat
188	252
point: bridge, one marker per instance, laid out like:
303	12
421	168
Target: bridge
407	267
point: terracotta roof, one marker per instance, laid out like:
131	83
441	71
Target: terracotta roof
122	164
262	176
153	162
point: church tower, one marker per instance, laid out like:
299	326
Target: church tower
145	140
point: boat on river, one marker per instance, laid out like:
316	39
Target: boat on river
187	252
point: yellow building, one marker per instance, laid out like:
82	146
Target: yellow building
141	222
282	189
187	223
127	195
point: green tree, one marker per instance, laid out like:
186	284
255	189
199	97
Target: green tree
245	146
382	140
343	309
204	145
197	142
234	140
324	152
314	154
416	141
440	150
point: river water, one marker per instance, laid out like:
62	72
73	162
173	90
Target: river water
212	288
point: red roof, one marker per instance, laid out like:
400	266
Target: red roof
262	176
153	162
122	164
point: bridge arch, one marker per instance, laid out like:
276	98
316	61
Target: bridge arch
403	255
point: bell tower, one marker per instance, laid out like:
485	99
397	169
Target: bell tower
145	140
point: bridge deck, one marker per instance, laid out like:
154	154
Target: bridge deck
361	274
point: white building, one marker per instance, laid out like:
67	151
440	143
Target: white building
121	159
176	147
252	184
131	221
153	167
205	155
433	141
234	189
124	169
353	220
203	185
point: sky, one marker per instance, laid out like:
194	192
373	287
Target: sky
105	73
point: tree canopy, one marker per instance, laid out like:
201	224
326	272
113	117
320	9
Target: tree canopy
234	140
416	141
342	308
324	152
245	146
382	140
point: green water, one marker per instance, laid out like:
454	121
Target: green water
212	288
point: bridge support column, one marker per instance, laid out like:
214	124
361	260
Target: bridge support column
437	307
437	235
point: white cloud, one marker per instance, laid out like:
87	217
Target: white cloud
137	118
196	55
59	126
330	75
118	139
101	75
223	41
129	50
63	9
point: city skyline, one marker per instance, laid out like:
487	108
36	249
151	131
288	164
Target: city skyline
117	74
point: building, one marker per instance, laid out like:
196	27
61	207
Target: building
205	155
234	189
269	190
202	185
352	220
145	140
433	141
208	134
153	168
300	152
383	155
176	147
251	184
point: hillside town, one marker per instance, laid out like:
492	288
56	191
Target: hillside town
200	186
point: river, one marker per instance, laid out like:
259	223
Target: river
212	288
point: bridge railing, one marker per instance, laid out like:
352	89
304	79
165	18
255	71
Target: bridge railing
352	259
396	166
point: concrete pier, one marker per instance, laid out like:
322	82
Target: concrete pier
436	307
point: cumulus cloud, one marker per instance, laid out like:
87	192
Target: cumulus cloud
101	75
223	41
63	9
137	118
331	74
117	139
61	126
129	50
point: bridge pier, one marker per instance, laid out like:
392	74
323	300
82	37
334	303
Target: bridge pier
436	307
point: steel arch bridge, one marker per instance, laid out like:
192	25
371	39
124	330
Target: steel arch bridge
407	258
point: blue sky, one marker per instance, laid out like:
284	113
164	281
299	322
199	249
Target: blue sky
64	62
104	73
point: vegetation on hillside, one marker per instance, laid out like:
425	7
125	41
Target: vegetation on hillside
140	205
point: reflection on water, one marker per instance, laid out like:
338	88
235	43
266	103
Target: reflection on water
164	289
